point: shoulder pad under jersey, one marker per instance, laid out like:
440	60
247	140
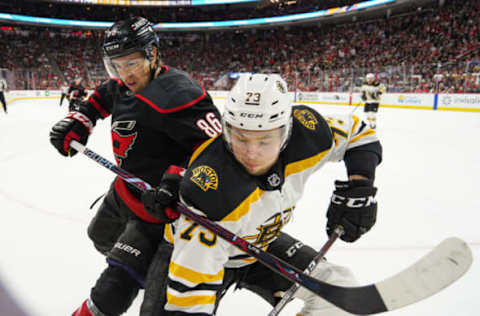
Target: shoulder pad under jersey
172	91
310	134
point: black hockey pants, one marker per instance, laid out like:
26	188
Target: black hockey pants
113	227
371	107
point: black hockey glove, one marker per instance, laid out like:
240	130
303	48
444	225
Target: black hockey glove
160	201
364	97
75	125
353	206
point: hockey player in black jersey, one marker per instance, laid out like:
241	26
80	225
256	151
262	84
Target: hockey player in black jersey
64	90
159	115
250	180
3	88
75	94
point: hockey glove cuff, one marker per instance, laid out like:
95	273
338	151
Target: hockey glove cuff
352	206
75	126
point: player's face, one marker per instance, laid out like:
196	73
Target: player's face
257	151
134	70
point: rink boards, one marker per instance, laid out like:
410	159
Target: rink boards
468	102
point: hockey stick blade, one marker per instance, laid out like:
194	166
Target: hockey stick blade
442	266
439	268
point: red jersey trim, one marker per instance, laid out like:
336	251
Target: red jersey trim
98	107
118	80
175	109
133	203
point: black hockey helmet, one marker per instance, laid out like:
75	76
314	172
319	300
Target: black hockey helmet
128	36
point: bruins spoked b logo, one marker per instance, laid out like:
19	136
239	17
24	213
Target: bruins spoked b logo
205	177
306	118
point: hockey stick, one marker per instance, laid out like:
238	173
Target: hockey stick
288	295
355	108
439	268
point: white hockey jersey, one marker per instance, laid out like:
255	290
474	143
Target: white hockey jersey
253	208
371	93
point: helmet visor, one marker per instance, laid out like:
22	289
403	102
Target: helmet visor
123	67
262	140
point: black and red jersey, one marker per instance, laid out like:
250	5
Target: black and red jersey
160	126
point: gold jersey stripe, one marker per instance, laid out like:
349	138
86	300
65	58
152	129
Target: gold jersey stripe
168	234
244	207
190	300
304	164
356	120
367	133
201	148
249	260
194	276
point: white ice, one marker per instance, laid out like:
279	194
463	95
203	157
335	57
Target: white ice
427	191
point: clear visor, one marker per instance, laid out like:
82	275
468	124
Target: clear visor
123	67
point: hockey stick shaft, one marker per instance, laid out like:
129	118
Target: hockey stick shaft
269	260
356	107
439	268
288	295
125	175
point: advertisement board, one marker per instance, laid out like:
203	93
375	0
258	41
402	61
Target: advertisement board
426	101
458	102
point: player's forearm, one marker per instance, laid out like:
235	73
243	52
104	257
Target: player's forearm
361	162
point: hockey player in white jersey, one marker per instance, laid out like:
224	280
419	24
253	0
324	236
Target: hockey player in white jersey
249	181
372	91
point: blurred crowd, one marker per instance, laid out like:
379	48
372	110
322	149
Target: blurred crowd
435	49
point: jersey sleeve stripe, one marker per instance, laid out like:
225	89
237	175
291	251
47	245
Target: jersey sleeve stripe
175	109
98	107
244	207
192	277
193	302
168	234
205	306
189	300
299	166
367	133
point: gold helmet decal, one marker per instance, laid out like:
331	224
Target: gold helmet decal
205	177
280	87
306	118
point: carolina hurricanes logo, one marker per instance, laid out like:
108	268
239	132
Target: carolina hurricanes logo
123	139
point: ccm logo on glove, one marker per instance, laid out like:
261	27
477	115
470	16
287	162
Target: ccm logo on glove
353	202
